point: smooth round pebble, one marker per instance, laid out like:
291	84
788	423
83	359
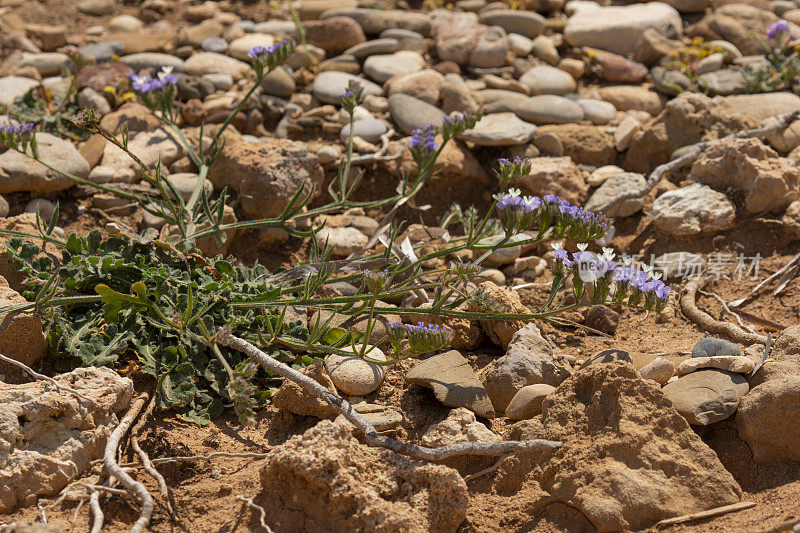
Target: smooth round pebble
353	375
710	347
370	130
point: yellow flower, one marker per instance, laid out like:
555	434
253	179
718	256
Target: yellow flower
591	53
703	53
115	58
697	41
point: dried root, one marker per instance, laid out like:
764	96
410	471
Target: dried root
372	437
708	323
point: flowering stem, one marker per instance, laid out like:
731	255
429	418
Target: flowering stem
370	324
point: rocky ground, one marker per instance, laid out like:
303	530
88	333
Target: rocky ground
660	414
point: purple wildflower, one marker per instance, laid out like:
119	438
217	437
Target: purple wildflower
424	139
778	28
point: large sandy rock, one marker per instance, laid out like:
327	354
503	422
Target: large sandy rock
769	420
49	437
627	459
769	183
325	480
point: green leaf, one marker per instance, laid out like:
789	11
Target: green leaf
333	336
74	245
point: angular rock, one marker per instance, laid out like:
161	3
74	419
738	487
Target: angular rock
692	210
150	146
347	486
554	175
530	359
499	300
732	363
706	396
453	382
769	420
659	370
784	358
293	398
607	356
49	437
614	188
459	426
691	117
601	318
584	144
379	416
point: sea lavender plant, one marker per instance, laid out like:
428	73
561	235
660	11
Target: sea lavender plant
18	137
135	296
421	338
782	66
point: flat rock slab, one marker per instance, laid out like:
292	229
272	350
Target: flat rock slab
453	382
732	363
707	396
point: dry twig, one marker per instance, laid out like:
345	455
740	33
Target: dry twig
727	309
262	517
707	322
658	172
42	377
380	155
372	437
97	512
113	468
487	470
725	509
